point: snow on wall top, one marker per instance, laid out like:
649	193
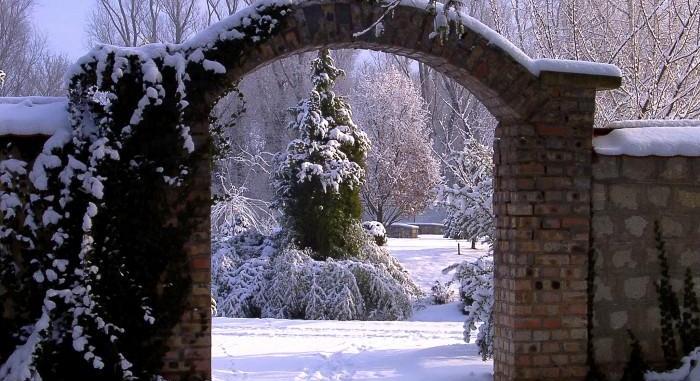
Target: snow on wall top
534	66
26	116
654	123
222	30
651	138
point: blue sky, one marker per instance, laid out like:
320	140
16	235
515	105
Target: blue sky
63	24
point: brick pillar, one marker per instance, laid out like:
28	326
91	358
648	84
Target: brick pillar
542	206
189	357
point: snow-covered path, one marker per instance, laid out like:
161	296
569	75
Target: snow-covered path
428	348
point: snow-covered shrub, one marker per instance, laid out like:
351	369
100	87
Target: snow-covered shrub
442	293
688	371
476	291
236	270
259	280
376	230
234	213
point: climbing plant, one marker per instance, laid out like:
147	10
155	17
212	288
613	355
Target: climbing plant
95	276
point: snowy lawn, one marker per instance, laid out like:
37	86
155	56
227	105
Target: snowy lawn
428	348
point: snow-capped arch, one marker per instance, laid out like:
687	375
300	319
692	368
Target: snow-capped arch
545	110
501	76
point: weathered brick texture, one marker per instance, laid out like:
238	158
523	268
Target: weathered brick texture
542	203
628	195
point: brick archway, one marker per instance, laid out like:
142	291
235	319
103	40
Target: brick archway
543	172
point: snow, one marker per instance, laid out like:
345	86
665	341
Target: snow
426	256
214	67
534	66
688	371
654	123
222	30
650	141
33	115
374	228
428	347
573	67
300	350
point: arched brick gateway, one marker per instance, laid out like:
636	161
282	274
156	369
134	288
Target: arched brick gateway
543	164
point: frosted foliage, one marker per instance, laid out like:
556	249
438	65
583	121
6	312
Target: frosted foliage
237	268
233	212
688	371
289	284
402	170
469	201
325	127
476	291
374	228
442	293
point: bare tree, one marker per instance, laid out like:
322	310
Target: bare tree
118	22
655	43
138	22
30	69
402	171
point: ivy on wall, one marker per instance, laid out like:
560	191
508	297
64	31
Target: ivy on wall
93	271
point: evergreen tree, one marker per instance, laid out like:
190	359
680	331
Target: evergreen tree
469	202
318	177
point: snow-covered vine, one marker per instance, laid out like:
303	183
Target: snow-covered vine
78	276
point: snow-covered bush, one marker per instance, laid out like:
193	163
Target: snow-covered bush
688	371
251	277
236	270
476	291
442	293
376	230
234	213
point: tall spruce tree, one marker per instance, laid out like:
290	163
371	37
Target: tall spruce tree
318	178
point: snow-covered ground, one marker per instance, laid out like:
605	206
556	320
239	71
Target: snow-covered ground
425	257
430	347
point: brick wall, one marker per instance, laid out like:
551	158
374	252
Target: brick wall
541	200
628	195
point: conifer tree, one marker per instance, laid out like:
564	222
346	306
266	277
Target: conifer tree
318	177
